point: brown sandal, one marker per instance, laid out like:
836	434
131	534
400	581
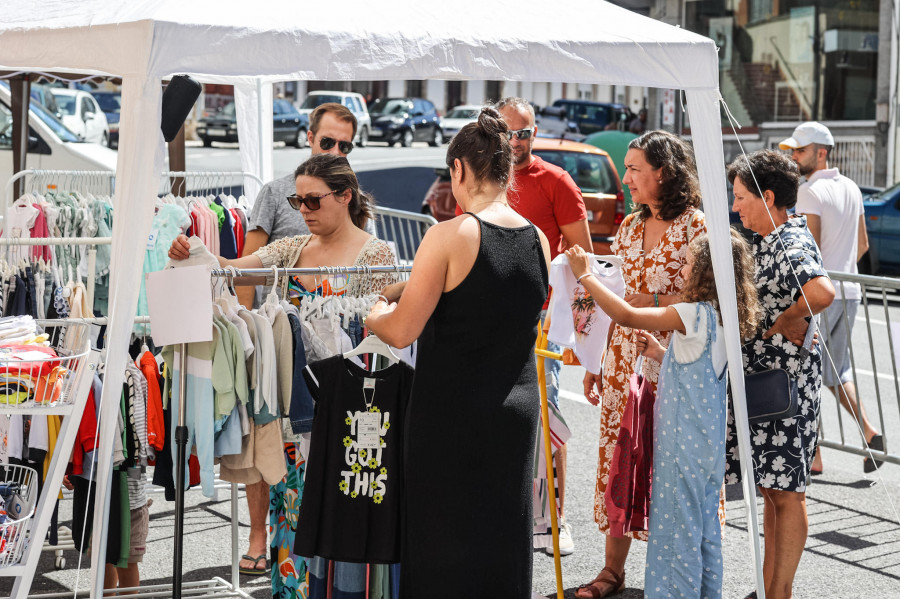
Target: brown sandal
613	583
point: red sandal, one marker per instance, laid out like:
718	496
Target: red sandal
612	584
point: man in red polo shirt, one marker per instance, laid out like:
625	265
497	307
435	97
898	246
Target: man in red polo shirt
547	196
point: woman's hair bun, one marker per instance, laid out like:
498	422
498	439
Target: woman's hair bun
484	147
490	121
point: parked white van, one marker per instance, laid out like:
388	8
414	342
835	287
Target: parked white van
353	101
51	146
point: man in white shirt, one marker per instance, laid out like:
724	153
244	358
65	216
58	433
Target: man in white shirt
833	207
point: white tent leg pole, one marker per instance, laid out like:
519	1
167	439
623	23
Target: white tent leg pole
253	102
139	163
706	129
102	487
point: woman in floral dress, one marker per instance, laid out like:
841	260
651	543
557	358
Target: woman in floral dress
787	260
653	241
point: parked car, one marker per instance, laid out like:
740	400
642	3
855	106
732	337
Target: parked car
590	167
353	101
82	115
405	120
883	228
290	126
51	145
458	118
594	116
868	191
111	105
552	121
41	93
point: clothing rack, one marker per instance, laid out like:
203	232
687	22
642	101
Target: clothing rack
181	429
101	180
104	182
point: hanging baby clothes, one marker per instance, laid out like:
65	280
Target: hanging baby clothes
354	479
576	321
21	217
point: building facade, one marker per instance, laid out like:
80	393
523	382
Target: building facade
782	62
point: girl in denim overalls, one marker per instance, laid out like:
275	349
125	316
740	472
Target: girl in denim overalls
684	555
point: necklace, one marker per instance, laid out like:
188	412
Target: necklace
489	202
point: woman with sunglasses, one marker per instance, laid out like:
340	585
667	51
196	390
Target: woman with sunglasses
473	301
336	212
328	196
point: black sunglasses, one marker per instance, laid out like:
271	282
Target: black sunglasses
311	202
326	143
521	133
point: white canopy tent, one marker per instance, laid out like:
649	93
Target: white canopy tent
252	44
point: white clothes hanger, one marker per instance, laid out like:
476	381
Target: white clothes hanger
272	298
373	345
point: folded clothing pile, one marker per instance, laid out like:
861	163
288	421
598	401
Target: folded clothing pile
21	330
28	372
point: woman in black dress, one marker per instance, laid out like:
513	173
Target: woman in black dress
473	301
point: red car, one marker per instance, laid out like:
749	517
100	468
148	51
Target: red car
590	167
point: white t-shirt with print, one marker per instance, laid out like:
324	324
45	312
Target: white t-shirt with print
691	344
575	320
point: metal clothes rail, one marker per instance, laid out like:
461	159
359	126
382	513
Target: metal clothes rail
317	270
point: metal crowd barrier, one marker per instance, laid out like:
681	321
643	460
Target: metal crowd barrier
404	229
873	359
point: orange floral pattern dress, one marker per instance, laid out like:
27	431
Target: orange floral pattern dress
657	271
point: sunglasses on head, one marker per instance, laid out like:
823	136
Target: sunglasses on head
311	202
326	143
520	133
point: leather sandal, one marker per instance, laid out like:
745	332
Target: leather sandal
613	583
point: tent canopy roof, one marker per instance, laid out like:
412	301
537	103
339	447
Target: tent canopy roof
586	41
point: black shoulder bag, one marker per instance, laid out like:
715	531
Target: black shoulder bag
773	394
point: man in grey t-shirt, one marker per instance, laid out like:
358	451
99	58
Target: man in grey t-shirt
332	128
331	131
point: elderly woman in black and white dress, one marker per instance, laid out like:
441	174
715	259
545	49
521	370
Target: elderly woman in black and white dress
787	260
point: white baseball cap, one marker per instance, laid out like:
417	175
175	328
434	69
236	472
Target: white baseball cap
808	133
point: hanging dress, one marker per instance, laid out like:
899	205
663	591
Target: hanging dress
470	428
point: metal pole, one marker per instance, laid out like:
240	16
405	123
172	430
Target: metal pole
235	540
91	276
181	442
543	354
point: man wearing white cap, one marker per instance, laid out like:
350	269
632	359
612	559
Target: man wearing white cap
833	207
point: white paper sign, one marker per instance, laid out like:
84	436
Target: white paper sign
180	305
